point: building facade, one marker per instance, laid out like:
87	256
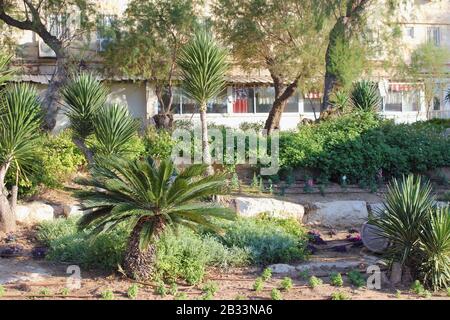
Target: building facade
248	97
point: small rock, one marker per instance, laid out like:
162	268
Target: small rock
39	252
11	251
396	273
339	214
312	249
34	212
282	268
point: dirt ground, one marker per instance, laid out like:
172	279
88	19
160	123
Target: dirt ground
232	283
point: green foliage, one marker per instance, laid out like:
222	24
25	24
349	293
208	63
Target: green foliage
173	289
359	144
304	274
108	294
365	96
161	289
128	190
65	291
286	284
5	70
20	120
158	143
49	231
266	242
417	288
448	292
240	297
203	65
266	274
45	292
113	128
185	255
275	294
57	158
253	126
314	282
210	288
435	249
258	285
339	296
336	279
2	291
133	291
356	278
84	96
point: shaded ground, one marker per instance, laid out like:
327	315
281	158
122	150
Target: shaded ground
27	278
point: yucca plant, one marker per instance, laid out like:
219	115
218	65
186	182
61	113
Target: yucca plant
405	210
435	249
203	65
20	120
365	96
113	128
83	96
149	197
5	70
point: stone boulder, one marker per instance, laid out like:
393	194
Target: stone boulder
251	207
338	214
34	212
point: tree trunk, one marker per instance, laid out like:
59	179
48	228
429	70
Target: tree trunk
52	99
274	118
163	121
7	216
205	141
330	83
84	149
139	264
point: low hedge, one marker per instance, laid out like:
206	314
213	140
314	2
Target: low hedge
364	147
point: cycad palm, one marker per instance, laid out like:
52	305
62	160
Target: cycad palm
148	197
20	120
203	67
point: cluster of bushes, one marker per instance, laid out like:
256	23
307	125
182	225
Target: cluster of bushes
57	159
361	146
181	254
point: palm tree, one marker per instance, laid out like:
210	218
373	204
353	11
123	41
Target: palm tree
203	67
20	120
84	96
148	197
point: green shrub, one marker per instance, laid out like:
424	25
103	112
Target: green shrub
265	241
49	231
161	289
158	143
186	255
286	284
258	285
314	282
266	274
2	291
45	292
339	296
57	160
360	145
181	296
133	291
336	279
356	278
275	294
108	294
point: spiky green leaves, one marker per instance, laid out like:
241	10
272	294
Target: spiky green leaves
114	128
127	191
84	96
20	120
203	65
365	96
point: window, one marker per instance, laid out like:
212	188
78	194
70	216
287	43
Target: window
398	101
436	104
58	25
410	32
181	104
265	96
434	35
243	100
105	31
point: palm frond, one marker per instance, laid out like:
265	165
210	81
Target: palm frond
365	96
84	96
